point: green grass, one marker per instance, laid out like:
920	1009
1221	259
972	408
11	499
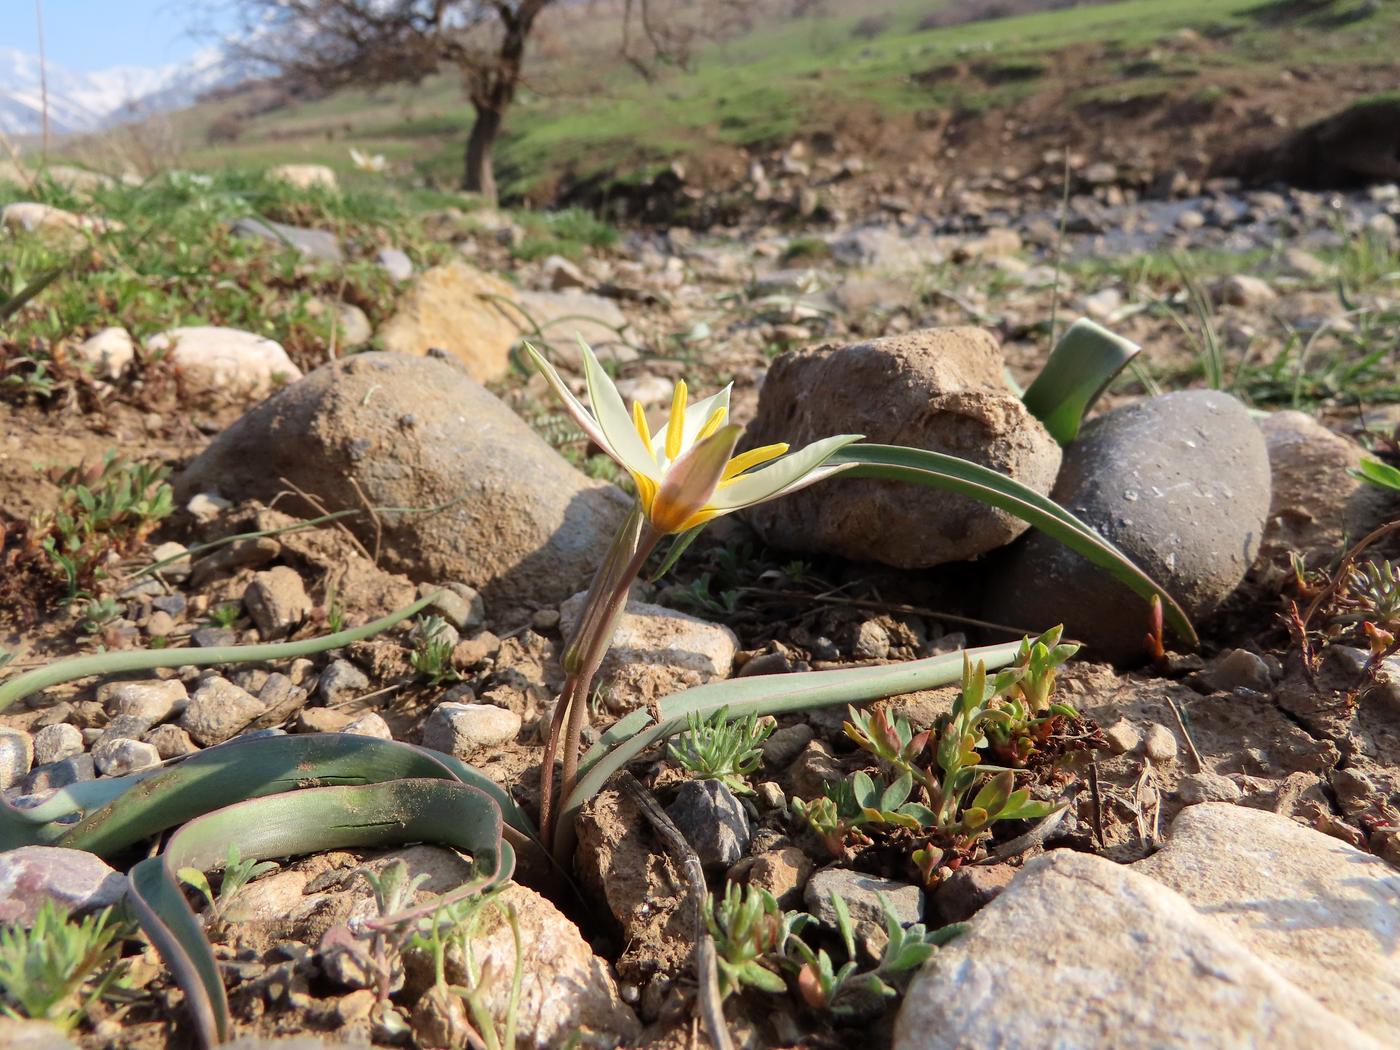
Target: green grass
177	263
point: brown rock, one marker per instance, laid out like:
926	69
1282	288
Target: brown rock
462	310
940	389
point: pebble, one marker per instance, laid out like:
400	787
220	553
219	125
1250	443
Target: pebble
277	601
782	872
56	742
713	821
395	263
218	710
154	699
1206	786
463	729
16	756
1160	743
786	744
341	680
170	741
459	604
1122	737
371	724
1240	669
968	890
118	756
60	774
109	353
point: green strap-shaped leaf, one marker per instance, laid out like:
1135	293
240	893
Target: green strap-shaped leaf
22	685
764	695
922	467
298	822
1079	369
247	769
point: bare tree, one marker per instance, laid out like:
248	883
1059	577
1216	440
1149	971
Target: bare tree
333	43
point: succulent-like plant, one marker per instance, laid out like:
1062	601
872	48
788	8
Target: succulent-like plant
53	969
751	934
716	748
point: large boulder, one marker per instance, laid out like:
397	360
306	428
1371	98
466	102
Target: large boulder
520	525
1180	483
1321	911
940	389
1119	961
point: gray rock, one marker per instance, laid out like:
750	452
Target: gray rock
940	389
213	637
459	604
154	700
786	744
341	680
60	774
1321	912
57	742
116	756
528	529
395	263
1206	786
463	729
862	895
16	755
76	879
372	724
320	245
1159	744
713	821
277	601
218	710
1239	668
1132	965
1180	483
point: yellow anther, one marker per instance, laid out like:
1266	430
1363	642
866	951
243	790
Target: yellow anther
675	428
752	458
716	420
646	490
639	418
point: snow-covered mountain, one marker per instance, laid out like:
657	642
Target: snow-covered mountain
89	101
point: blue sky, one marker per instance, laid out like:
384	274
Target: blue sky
88	35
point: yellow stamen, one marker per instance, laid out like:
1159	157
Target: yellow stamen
675	428
752	458
716	420
646	490
639	418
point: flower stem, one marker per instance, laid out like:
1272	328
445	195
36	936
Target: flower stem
603	608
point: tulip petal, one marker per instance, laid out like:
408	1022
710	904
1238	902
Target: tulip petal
690	482
785	475
613	417
573	405
699	413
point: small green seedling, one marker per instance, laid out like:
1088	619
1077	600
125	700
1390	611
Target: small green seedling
716	748
432	654
54	969
236	874
751	934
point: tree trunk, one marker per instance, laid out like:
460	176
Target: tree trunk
477	173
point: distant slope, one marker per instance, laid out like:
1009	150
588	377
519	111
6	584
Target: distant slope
897	82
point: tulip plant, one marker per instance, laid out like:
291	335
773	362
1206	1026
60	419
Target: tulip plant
687	474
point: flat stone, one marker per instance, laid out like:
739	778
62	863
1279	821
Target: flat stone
318	245
341	680
209	360
1321	912
712	820
783	873
16	755
76	879
656	651
59	774
395	263
464	729
786	744
1132	964
862	894
154	699
1239	668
